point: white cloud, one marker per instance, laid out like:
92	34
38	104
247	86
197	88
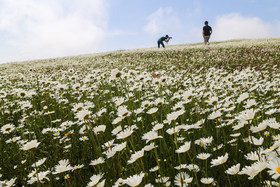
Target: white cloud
236	26
164	20
41	29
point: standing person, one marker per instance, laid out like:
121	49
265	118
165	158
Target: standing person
162	39
206	32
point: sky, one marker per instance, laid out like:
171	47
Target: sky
38	29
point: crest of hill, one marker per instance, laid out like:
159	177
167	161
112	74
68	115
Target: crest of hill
232	54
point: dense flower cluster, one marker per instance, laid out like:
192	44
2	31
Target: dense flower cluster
175	120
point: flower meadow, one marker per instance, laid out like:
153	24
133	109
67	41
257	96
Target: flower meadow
187	115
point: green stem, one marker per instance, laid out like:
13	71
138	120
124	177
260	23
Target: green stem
227	176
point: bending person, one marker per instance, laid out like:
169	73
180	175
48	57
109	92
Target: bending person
163	39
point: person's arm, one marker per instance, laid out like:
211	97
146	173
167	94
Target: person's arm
167	39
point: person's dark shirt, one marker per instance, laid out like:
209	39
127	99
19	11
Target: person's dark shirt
162	39
207	30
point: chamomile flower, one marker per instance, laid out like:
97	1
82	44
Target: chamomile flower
98	129
119	147
95	162
274	168
157	127
256	141
152	110
77	167
63	165
7	129
203	156
117	130
184	148
242	97
246	115
150	147
30	145
39	177
233	170
134	180
251	103
135	156
108	144
182	179
94	179
193	167
83	115
118	183
254	169
8	183
262	126
123	112
115	74
151	135
254	156
215	115
208	180
156	168
125	133
39	162
220	160
117	120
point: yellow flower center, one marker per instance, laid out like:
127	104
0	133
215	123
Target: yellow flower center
278	169
182	181
118	74
203	157
86	116
79	108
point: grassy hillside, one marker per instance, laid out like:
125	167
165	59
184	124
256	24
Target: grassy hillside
235	54
186	115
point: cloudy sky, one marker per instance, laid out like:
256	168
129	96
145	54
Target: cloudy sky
36	29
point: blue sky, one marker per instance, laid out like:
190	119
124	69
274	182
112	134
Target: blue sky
36	29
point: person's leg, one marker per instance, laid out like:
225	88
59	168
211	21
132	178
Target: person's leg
158	43
162	44
206	39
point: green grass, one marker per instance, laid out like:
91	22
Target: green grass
174	92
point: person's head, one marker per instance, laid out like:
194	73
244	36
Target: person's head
167	36
206	22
